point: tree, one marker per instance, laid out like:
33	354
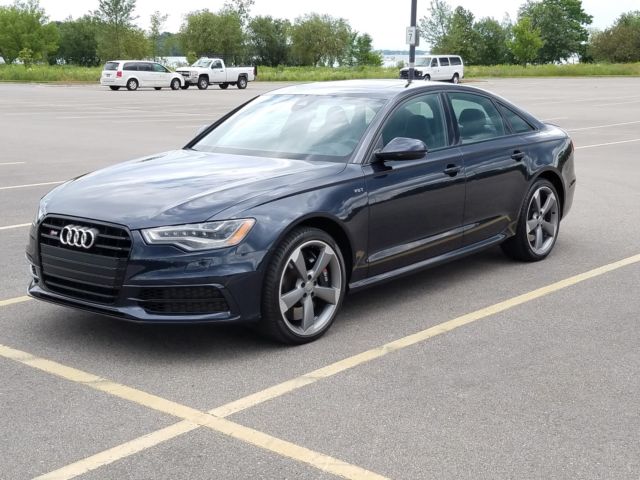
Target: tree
434	27
24	28
156	24
116	17
320	40
527	42
208	33
562	25
362	51
242	8
491	48
461	38
620	42
78	41
269	39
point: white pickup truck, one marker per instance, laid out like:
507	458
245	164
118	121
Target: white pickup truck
209	71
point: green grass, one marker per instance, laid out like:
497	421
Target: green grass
69	74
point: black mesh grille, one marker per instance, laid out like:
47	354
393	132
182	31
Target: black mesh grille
182	300
95	274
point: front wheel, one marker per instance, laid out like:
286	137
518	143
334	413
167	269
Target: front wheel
538	224
304	287
242	83
455	79
203	83
427	78
175	84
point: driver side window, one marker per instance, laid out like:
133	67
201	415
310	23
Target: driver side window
421	118
216	64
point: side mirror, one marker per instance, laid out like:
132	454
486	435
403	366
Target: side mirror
201	129
402	148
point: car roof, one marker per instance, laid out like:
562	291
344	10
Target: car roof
125	61
385	89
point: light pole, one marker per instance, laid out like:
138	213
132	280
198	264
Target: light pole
414	39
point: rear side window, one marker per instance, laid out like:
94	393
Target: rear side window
444	62
130	66
144	67
478	119
111	66
455	60
518	124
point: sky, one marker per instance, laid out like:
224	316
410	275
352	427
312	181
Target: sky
385	25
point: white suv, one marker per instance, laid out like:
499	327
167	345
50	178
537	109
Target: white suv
437	67
135	74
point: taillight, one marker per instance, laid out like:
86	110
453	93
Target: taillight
119	74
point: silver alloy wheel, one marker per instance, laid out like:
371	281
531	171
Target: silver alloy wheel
310	287
542	220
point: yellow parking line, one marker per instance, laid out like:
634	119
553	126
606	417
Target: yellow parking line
19	225
285	448
192	416
11	301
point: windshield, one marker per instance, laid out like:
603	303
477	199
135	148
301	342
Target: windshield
202	63
423	62
306	127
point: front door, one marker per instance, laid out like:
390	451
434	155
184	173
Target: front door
416	206
218	74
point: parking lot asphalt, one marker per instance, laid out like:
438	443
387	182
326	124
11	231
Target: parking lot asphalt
542	384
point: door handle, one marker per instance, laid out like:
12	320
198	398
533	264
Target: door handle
452	169
517	155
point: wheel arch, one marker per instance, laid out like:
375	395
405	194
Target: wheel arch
331	226
555	178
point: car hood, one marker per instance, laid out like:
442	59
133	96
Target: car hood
179	187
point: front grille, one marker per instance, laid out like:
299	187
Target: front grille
95	274
197	300
417	74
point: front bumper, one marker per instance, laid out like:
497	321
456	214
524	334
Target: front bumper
232	272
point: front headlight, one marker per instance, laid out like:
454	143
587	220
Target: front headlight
200	236
39	214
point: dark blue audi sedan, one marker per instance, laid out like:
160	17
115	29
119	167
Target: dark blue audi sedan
275	211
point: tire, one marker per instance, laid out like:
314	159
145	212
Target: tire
185	86
132	84
290	299
203	82
114	88
242	83
158	88
175	84
538	224
455	79
427	78
223	86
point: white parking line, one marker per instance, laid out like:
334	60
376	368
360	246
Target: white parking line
608	143
11	187
603	126
11	163
20	225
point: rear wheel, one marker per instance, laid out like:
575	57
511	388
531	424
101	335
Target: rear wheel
203	82
242	83
538	224
113	87
304	287
224	86
175	84
132	84
456	78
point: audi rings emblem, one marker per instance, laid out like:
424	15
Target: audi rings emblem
76	236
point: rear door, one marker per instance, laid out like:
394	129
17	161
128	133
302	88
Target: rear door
495	169
415	206
145	74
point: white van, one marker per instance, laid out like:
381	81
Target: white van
134	74
437	67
